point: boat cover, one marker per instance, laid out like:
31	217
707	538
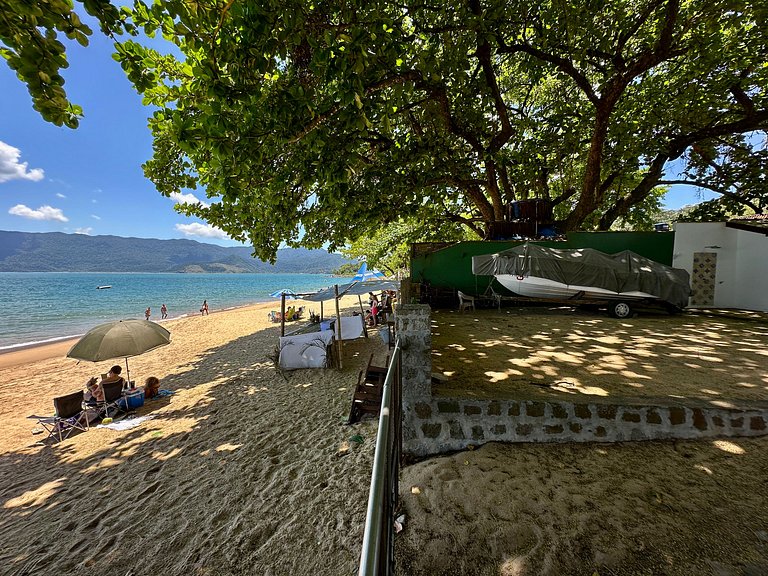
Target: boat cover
622	272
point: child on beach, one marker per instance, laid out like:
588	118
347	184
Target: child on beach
151	387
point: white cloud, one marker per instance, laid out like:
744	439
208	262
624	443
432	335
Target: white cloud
42	213
87	230
180	198
12	169
60	195
95	217
203	230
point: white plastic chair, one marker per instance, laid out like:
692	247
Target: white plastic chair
466	302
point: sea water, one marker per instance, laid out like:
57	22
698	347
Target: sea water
39	307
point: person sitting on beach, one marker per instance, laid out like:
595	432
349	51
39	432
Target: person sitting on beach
94	392
290	313
151	387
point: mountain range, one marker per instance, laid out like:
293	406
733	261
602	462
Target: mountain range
59	252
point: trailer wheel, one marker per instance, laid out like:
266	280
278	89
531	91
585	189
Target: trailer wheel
620	310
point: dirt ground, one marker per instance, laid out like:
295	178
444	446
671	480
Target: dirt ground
656	508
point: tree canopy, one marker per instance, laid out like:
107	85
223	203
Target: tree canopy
321	122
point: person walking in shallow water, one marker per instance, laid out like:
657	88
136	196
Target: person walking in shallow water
163	312
204	309
147	313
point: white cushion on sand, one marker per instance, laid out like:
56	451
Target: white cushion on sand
305	350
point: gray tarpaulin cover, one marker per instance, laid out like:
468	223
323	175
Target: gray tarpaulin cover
622	272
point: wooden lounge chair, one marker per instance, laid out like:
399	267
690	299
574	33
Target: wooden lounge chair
367	396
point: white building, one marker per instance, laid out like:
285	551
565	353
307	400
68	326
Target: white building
727	261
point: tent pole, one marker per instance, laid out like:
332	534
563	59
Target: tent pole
338	322
365	328
282	314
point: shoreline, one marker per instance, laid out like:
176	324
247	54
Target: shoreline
29	352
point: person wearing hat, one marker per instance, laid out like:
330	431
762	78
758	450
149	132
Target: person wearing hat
95	392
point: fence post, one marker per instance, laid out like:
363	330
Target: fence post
415	334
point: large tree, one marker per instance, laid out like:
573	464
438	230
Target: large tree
321	122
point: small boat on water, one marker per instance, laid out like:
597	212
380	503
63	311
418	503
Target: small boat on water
103	287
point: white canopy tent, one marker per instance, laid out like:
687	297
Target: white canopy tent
350	289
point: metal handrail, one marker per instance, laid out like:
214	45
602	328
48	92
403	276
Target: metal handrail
377	556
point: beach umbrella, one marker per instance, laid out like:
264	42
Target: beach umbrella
287	292
363	275
120	339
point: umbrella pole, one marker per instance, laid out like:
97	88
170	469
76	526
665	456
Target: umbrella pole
282	314
127	372
338	323
321	310
362	313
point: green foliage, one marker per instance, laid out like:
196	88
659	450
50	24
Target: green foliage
322	123
30	43
389	248
349	269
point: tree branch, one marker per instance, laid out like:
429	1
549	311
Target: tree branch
732	195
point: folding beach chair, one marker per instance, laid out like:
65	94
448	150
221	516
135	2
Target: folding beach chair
113	393
69	416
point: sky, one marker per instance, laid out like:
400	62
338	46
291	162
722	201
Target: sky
89	180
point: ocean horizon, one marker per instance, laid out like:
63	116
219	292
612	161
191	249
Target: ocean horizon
46	307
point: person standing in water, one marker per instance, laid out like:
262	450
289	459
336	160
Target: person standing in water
204	309
147	313
163	312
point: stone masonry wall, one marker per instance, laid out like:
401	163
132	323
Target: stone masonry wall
444	424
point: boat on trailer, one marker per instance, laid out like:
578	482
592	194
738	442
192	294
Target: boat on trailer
588	276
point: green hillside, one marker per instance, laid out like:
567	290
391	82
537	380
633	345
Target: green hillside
58	252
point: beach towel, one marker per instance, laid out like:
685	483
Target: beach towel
126	423
162	393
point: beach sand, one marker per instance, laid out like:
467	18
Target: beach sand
238	472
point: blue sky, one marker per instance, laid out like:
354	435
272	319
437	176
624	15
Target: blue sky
89	180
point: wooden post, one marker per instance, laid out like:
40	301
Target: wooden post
338	323
321	310
282	314
362	313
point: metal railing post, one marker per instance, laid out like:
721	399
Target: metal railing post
384	478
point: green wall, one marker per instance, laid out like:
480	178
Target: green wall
451	267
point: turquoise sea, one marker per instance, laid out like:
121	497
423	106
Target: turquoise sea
39	307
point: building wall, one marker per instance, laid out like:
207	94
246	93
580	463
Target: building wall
751	270
742	262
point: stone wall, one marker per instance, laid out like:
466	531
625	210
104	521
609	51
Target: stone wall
445	424
437	425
